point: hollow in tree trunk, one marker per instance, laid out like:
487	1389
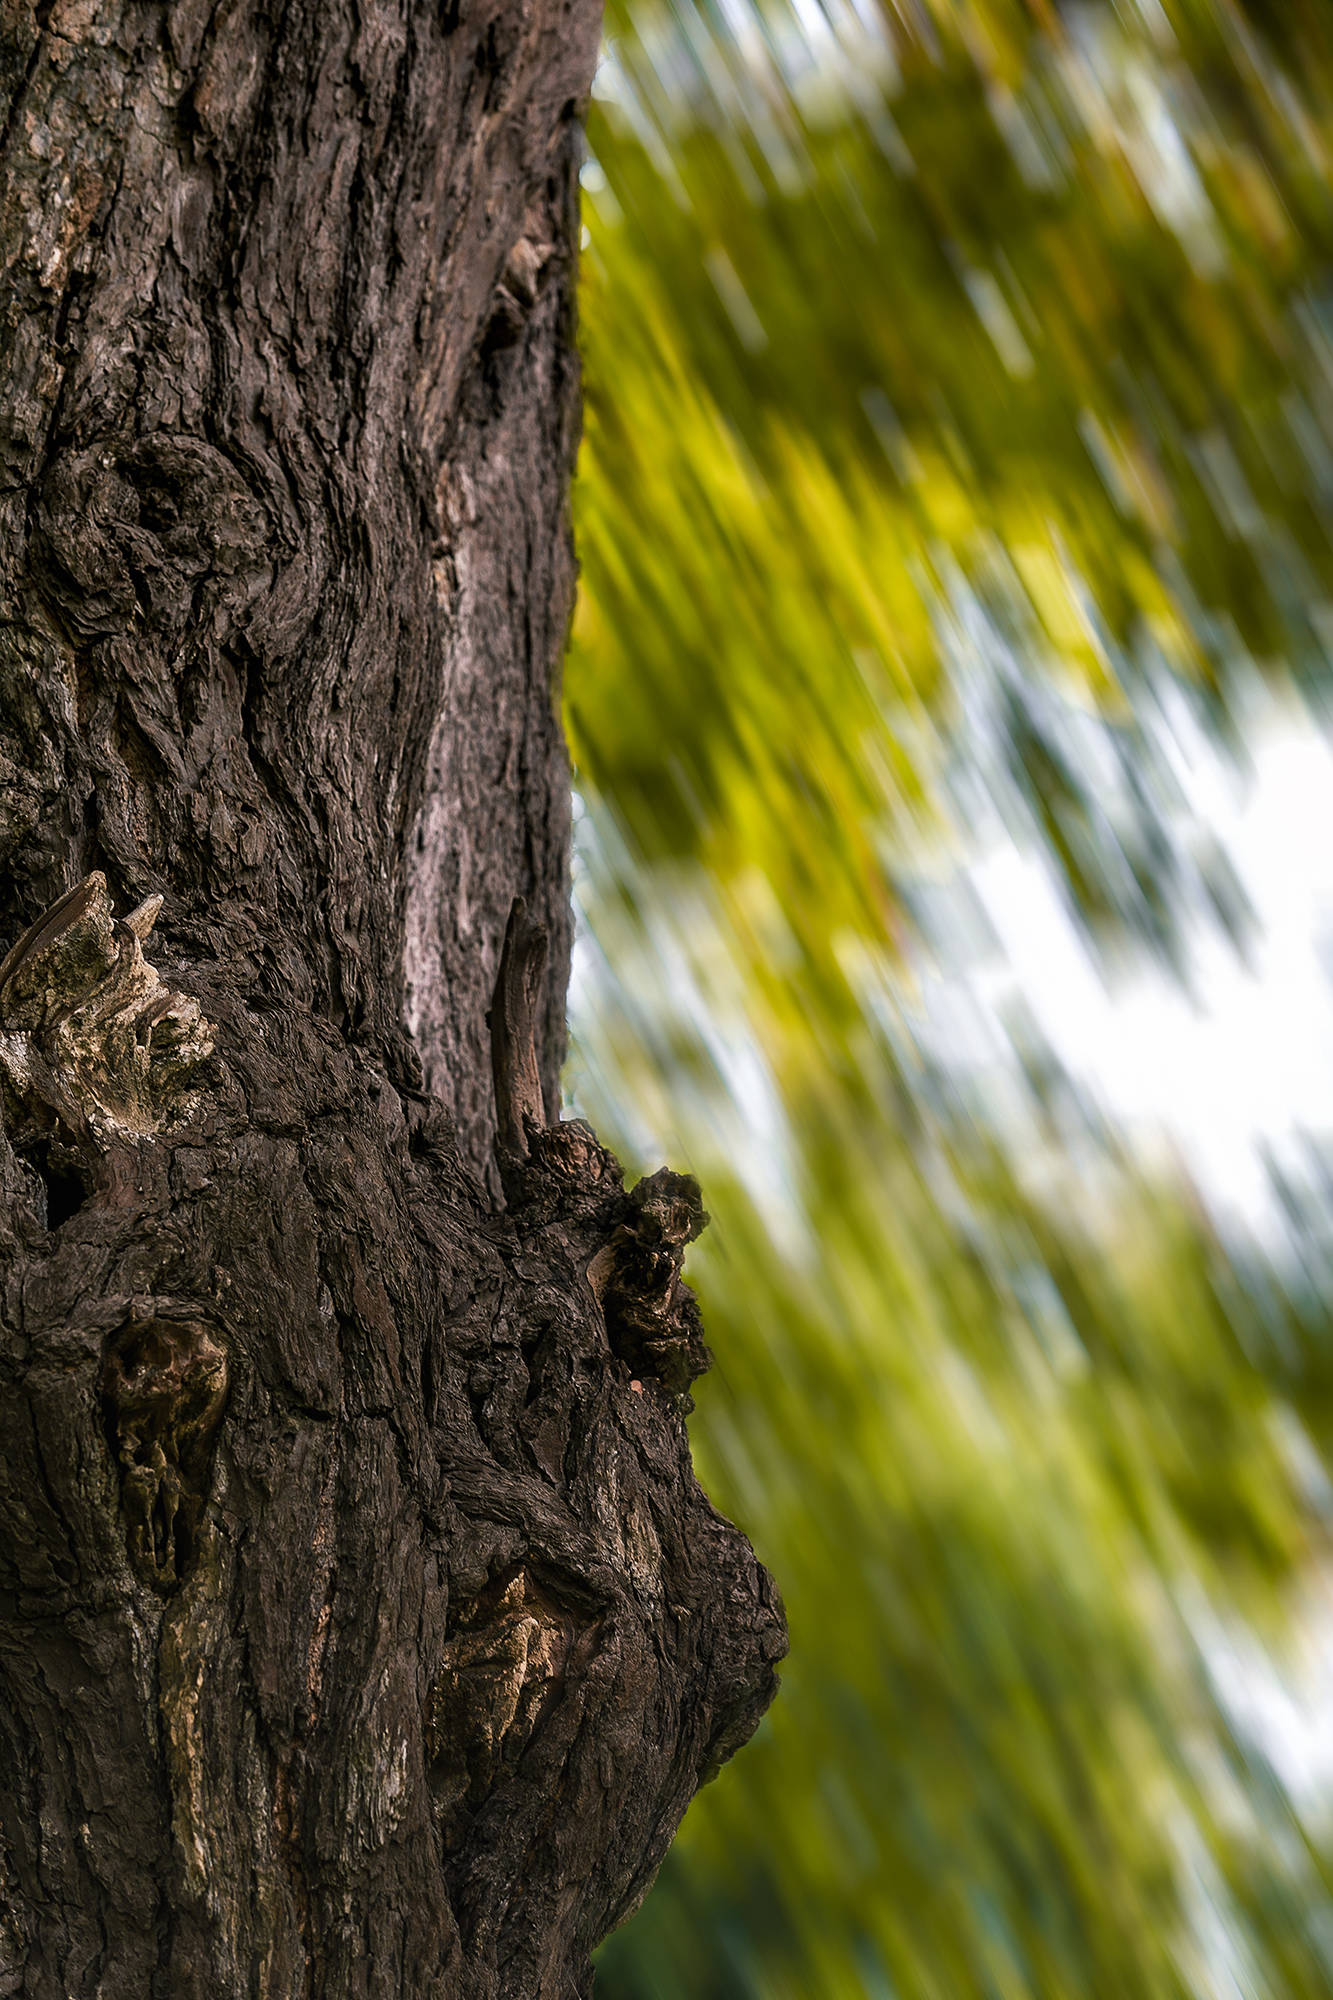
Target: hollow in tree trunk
362	1627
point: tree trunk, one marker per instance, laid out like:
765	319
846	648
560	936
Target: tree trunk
362	1627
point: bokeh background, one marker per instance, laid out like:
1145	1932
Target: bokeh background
948	697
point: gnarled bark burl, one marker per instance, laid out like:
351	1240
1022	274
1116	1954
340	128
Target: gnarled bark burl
362	1627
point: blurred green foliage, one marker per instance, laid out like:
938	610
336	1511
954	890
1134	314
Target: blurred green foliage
957	376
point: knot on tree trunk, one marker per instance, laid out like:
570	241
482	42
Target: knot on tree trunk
164	1386
499	1674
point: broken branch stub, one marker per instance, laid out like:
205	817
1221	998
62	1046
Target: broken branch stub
652	1317
92	1039
633	1245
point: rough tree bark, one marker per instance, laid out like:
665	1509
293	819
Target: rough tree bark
362	1627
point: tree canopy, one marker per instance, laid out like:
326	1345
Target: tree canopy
957	401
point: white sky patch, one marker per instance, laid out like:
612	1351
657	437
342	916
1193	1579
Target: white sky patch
1280	1706
1224	1076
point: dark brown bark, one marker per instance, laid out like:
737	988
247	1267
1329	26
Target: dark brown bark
362	1627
